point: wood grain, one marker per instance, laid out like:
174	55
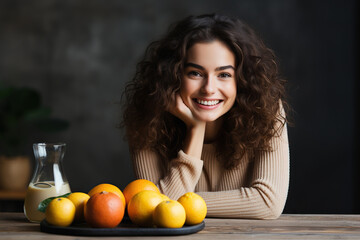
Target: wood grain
15	226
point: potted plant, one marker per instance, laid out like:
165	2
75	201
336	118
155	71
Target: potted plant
21	115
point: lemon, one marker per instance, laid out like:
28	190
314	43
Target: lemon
169	214
195	208
142	206
79	199
60	212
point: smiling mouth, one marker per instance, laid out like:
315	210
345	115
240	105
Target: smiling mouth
208	102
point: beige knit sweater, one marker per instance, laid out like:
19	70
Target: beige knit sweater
254	189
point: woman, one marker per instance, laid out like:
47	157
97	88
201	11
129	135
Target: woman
205	113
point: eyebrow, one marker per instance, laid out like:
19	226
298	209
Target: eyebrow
202	68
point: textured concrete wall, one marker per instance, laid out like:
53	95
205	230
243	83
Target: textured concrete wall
79	54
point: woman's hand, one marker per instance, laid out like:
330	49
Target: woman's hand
193	142
180	110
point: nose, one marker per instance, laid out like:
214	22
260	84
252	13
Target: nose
209	85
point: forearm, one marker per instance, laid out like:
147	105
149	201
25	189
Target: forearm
184	171
265	195
194	140
253	202
182	176
179	177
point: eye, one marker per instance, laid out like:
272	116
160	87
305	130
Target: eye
194	74
225	75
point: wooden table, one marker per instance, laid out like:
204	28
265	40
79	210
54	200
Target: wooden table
15	226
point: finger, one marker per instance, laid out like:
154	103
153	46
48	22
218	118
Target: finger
177	106
181	107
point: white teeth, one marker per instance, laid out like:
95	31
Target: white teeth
207	103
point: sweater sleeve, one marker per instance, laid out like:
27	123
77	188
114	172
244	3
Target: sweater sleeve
181	176
265	197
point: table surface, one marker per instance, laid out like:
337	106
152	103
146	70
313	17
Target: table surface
288	226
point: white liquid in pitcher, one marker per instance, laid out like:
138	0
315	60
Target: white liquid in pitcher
38	192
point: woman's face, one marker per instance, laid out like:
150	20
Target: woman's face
208	85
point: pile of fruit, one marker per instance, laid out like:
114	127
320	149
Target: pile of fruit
105	205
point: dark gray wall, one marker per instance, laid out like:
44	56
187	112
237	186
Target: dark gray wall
79	54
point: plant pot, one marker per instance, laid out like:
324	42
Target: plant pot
14	173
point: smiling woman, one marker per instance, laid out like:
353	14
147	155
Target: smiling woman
208	82
205	112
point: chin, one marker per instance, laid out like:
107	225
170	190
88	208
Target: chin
207	118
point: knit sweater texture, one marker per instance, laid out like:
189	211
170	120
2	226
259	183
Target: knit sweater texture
257	188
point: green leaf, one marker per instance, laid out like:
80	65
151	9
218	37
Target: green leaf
43	205
5	92
23	100
39	113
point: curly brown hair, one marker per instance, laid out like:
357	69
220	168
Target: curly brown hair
250	123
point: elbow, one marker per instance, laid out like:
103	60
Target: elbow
273	213
269	212
273	205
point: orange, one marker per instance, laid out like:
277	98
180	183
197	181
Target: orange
79	199
137	186
195	208
107	188
169	214
104	210
141	207
60	212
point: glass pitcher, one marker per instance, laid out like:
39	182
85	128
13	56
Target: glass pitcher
48	180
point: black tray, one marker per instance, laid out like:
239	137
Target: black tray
125	228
